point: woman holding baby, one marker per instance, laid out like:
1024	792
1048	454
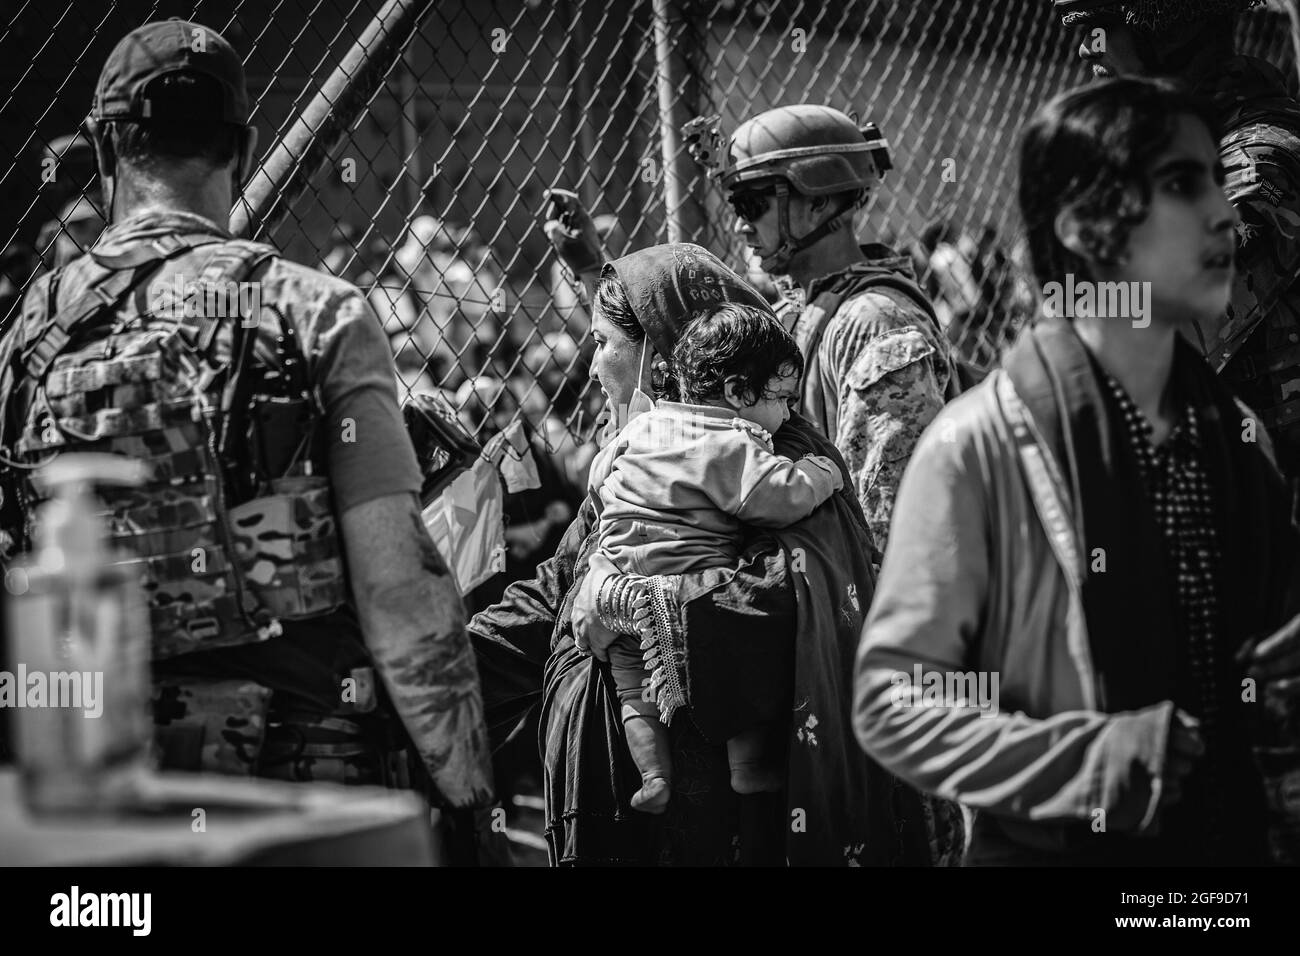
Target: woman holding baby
716	544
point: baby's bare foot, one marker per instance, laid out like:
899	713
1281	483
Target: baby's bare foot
653	795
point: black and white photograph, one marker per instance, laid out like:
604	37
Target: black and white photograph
482	434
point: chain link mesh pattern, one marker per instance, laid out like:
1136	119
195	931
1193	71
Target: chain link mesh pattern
432	200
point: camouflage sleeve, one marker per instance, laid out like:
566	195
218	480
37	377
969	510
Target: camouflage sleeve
1263	183
370	452
891	387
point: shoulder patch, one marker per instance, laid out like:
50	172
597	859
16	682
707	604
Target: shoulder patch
889	352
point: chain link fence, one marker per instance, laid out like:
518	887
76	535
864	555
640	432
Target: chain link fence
426	189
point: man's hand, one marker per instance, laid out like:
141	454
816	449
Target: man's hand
1184	749
572	233
1275	660
589	634
413	622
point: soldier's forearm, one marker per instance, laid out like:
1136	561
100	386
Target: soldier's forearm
415	631
414	626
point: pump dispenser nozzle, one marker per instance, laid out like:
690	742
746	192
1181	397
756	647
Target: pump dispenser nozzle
69	537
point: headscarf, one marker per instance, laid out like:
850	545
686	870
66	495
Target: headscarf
670	284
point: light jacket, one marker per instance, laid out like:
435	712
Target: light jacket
677	486
983	573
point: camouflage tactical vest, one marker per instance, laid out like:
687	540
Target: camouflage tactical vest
225	548
810	325
1262	369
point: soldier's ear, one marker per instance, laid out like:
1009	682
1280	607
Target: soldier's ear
102	141
247	153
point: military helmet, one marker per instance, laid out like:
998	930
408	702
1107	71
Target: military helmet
811	150
818	150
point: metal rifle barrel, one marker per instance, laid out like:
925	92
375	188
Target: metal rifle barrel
304	149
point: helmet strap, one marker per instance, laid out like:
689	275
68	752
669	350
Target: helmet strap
786	250
791	244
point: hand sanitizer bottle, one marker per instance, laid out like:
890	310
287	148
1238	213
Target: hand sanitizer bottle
79	645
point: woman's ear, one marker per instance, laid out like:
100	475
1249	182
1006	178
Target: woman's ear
1069	230
660	377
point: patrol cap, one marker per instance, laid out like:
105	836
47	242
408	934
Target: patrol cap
162	48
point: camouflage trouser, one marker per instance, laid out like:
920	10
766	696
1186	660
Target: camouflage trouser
236	727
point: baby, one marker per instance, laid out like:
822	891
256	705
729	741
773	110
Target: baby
677	487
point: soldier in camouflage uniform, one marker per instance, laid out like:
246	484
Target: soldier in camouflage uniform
304	625
1255	345
878	366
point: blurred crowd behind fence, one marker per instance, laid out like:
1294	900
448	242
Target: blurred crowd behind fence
425	183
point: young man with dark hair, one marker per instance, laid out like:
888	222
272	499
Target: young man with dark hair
1098	531
279	533
1255	342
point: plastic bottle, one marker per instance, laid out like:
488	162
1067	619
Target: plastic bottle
79	629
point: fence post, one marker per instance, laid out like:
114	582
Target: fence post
678	83
409	90
304	149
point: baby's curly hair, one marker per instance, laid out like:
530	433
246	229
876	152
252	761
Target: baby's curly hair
733	341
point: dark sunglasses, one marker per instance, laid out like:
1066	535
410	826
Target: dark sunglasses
750	204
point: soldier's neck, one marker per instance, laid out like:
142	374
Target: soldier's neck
834	253
208	197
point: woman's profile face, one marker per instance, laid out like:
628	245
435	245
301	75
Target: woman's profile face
1186	245
616	366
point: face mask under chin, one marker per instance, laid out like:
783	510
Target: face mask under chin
617	415
640	402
